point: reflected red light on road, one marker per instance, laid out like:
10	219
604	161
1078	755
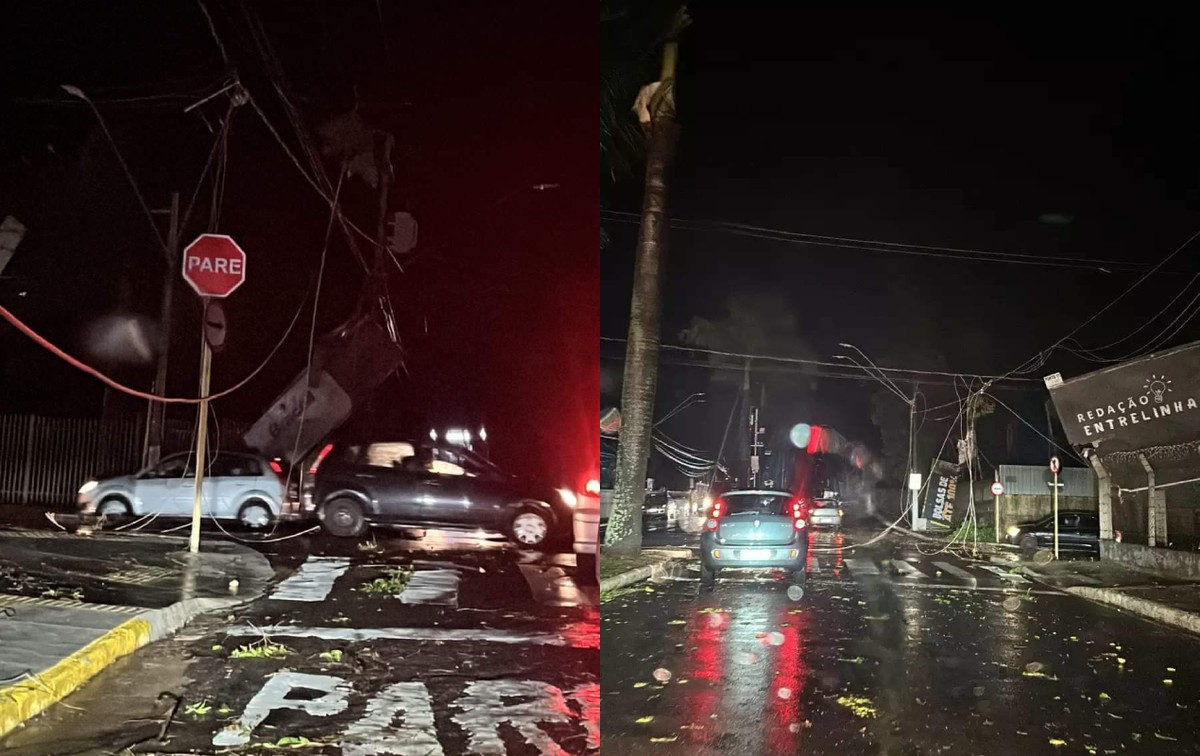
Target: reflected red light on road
791	673
706	635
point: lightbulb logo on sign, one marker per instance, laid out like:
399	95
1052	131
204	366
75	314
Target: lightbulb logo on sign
1157	386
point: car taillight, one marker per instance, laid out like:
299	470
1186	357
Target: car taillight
839	513
320	458
593	487
799	514
714	517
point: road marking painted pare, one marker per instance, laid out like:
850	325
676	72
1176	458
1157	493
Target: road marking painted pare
399	720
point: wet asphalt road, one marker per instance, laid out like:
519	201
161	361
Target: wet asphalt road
890	651
488	649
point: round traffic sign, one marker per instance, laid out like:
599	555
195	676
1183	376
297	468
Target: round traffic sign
1054	466
215	326
214	265
997	489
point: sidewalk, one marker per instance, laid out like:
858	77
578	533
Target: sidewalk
71	605
1162	598
653	562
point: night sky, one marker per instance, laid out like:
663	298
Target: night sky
928	129
496	310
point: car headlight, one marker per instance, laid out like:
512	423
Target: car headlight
568	497
88	487
1014	531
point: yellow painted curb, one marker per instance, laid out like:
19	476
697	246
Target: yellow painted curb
33	695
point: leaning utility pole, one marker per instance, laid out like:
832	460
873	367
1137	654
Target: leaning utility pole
655	107
155	420
385	184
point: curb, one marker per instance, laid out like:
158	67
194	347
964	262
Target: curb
1168	615
656	570
26	699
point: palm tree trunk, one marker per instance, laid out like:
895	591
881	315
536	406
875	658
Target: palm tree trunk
624	535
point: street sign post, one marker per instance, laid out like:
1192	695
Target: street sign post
214	266
1054	467
997	491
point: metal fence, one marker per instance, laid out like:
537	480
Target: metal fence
44	460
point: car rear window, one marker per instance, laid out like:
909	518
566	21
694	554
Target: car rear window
388	455
775	504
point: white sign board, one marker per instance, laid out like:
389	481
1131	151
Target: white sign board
914	481
997	489
1053	380
300	418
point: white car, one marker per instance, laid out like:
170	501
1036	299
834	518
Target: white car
586	523
241	487
825	513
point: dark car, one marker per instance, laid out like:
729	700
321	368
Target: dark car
351	486
755	529
1078	533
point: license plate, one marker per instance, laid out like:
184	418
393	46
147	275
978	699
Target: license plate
756	554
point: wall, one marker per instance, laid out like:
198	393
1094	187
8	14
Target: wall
1021	480
1183	517
1178	563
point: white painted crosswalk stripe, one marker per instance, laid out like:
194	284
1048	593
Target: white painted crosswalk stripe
957	572
1003	573
437	586
907	570
572	639
862	567
313	581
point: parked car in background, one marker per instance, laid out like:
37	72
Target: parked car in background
1078	533
236	486
352	486
660	510
826	513
755	529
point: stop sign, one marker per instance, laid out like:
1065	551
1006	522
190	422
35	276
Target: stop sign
214	265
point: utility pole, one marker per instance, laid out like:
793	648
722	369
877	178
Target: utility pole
745	411
385	185
755	449
155	413
912	463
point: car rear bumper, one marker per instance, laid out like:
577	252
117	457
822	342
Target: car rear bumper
717	556
586	524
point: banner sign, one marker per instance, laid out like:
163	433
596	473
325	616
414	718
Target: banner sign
1147	402
943	485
